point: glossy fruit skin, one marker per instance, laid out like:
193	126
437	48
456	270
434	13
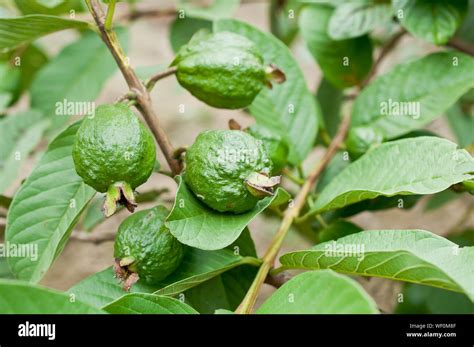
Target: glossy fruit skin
277	148
113	146
144	237
217	165
224	70
361	139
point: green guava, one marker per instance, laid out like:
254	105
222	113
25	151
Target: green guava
114	152
224	70
145	248
361	139
228	170
276	147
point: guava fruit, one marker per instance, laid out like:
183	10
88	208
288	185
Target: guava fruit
229	170
223	69
361	139
114	152
145	248
276	147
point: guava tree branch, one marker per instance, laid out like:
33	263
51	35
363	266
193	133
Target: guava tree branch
289	216
461	45
383	53
144	104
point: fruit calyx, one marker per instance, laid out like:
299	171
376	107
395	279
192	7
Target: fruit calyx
124	271
260	184
119	193
274	74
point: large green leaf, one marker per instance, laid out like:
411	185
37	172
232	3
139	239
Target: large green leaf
23	298
197	267
288	109
344	63
197	225
227	290
435	21
421	165
76	75
414	93
19	30
46	207
148	304
415	256
357	18
330	99
319	292
19	135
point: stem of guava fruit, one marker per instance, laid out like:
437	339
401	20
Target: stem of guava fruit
289	216
110	15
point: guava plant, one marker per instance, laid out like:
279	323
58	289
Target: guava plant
308	162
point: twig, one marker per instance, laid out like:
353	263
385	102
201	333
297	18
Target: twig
289	216
288	174
461	45
92	237
144	104
158	76
110	15
385	50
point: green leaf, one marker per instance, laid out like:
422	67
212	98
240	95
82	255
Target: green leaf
319	292
197	267
196	225
23	298
46	207
330	98
428	300
415	256
283	19
462	123
20	30
357	18
148	304
227	290
51	7
338	229
413	94
344	63
338	163
420	165
4	269
433	21
32	59
215	10
182	29
288	109
19	135
440	199
76	75
102	288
